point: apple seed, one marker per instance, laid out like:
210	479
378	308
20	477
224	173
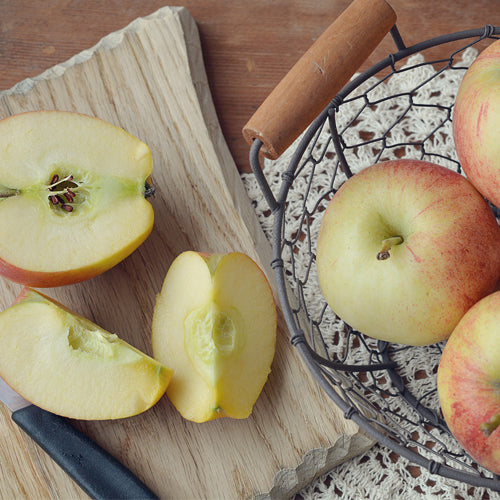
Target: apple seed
62	193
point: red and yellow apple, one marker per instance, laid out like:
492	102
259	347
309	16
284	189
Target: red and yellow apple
468	382
476	123
405	248
72	199
65	364
215	325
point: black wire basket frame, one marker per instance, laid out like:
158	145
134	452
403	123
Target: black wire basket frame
350	385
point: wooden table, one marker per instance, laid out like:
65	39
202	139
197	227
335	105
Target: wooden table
248	46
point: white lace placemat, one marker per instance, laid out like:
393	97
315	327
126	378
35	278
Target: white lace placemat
414	122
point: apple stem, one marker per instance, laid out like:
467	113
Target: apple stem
387	244
488	427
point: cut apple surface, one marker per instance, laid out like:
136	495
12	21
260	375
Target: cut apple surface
215	325
67	365
72	199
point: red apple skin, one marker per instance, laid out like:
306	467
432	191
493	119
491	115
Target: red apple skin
40	279
468	381
476	123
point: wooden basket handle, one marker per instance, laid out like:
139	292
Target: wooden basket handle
319	75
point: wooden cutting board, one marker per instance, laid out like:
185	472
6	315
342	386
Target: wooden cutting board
149	78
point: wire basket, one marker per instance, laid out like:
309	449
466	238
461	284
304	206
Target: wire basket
372	382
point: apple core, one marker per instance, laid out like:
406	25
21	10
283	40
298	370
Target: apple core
211	335
93	342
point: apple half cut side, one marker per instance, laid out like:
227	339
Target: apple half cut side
72	199
65	364
215	325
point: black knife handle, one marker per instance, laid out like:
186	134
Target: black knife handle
97	472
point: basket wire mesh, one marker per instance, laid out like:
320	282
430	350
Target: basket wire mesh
369	380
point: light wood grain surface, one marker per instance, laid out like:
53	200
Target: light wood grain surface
150	79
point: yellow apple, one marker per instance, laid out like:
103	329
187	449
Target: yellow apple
468	379
215	325
405	248
67	365
476	123
72	199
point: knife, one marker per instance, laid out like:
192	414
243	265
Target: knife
97	472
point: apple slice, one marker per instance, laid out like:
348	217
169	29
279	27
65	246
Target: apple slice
67	365
215	324
72	199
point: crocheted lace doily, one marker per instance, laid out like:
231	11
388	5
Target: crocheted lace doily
415	124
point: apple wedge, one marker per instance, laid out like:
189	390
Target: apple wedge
65	364
72	199
214	324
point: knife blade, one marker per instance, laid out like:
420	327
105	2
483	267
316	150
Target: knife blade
96	471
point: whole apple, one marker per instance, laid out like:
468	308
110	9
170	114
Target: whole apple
476	123
468	380
405	248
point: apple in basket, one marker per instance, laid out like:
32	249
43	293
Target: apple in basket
72	199
468	380
405	248
214	324
67	365
476	123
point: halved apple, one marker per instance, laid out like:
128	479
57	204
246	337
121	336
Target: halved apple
215	324
65	364
72	199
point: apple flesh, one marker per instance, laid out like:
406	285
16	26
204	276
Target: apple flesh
405	248
215	325
468	382
69	366
72	199
476	123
